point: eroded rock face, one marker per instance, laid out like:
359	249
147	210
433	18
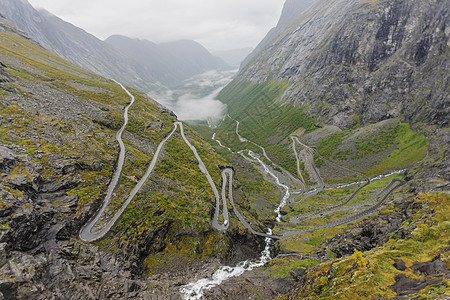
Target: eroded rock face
4	76
405	286
372	232
435	267
7	159
351	61
243	288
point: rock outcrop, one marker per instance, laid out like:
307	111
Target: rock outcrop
4	77
291	10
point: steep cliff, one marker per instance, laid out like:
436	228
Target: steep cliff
354	62
291	9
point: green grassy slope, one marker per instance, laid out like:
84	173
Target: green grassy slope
263	120
66	118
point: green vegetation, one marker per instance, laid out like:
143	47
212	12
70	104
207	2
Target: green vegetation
367	274
281	266
174	207
399	145
328	146
359	259
329	198
411	147
376	142
263	120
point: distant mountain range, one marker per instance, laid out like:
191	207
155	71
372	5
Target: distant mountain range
169	63
234	57
139	63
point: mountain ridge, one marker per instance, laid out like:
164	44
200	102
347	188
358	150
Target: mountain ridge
58	151
291	10
84	49
170	62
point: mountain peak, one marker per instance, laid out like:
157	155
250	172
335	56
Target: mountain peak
291	9
139	63
169	62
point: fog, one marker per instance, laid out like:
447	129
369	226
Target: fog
218	25
189	108
196	99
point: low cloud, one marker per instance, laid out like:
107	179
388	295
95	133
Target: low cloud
218	24
196	99
189	108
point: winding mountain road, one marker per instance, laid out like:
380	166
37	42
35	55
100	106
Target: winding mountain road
87	233
388	190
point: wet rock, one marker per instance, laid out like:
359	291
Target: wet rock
245	245
28	231
249	286
433	268
405	286
8	159
400	265
298	274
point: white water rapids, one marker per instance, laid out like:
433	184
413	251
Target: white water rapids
286	195
195	290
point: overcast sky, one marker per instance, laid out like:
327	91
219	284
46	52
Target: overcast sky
216	24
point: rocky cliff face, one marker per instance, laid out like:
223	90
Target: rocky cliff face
354	62
291	10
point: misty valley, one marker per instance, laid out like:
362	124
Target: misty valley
195	99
